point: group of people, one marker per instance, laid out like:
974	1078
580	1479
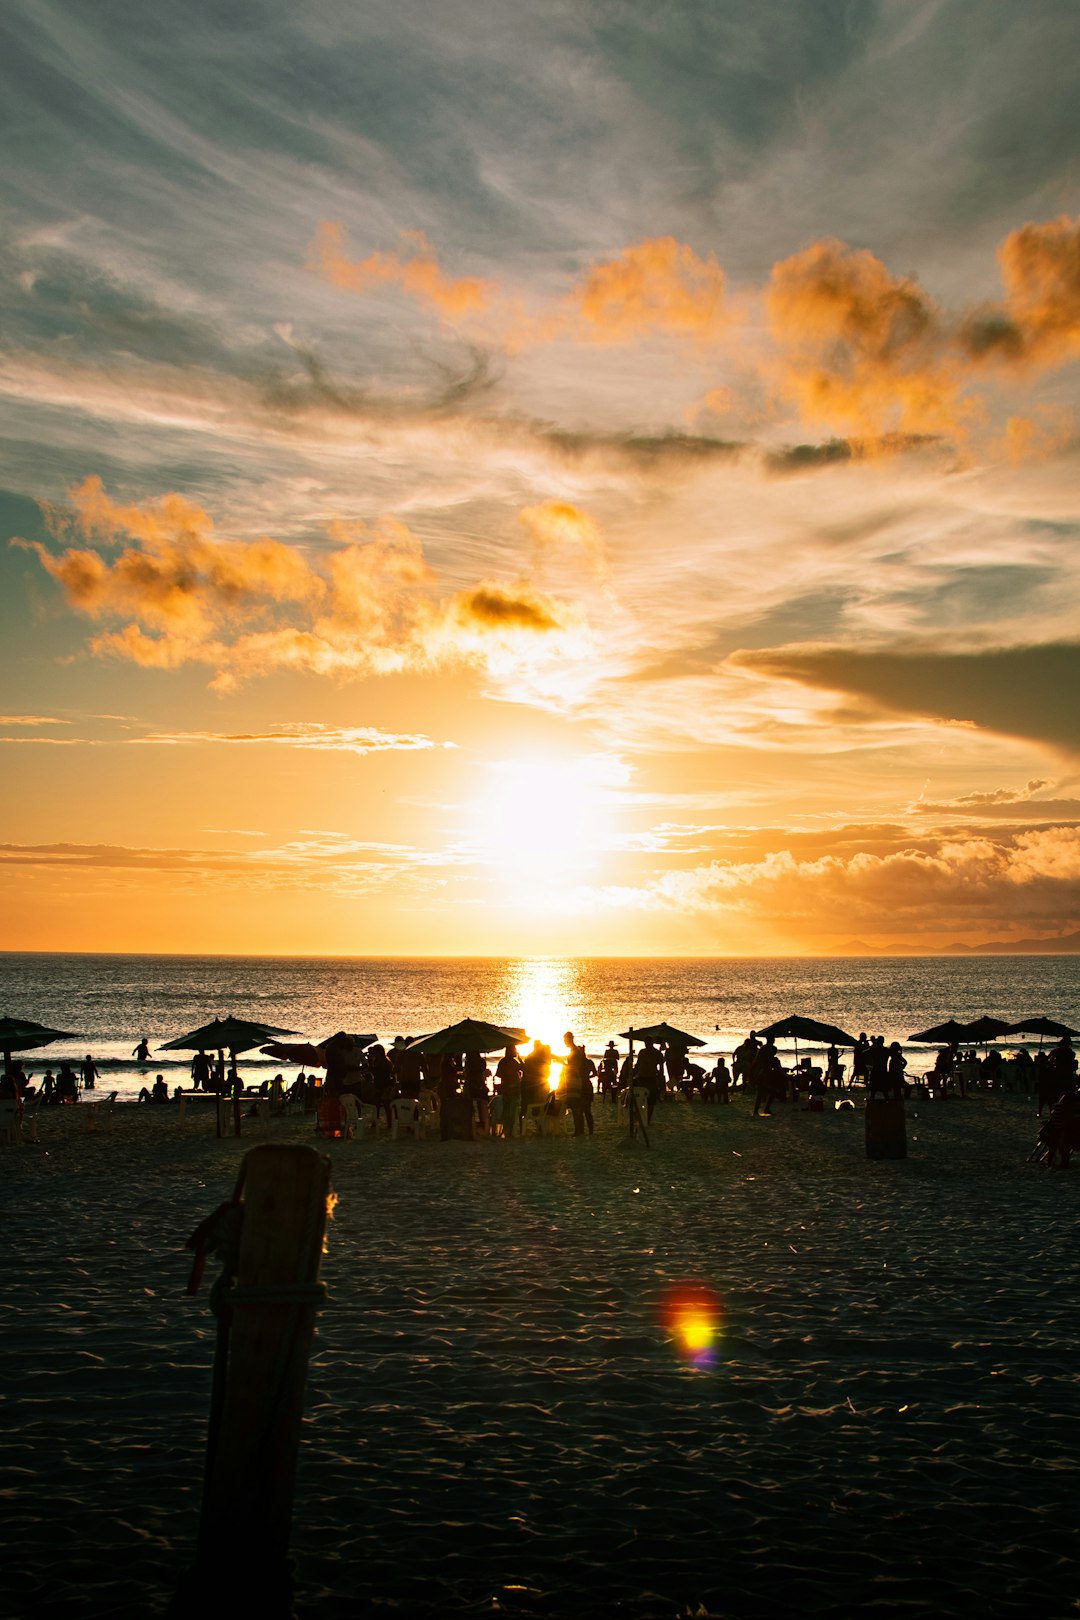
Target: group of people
470	1098
65	1086
1048	1074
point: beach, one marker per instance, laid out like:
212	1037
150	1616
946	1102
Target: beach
497	1419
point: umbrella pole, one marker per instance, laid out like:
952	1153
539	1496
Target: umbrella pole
236	1095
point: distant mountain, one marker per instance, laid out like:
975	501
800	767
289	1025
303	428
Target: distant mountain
1062	945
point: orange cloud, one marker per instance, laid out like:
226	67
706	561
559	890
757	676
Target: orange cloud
178	576
371	606
1042	434
490	606
562	527
1040	320
658	285
416	272
941	888
859	347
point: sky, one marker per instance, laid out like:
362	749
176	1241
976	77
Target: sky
582	479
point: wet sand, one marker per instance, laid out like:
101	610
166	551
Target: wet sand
498	1423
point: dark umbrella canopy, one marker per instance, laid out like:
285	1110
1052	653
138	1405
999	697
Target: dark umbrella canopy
666	1033
311	1056
797	1028
225	1035
948	1034
1041	1026
470	1035
987	1028
23	1035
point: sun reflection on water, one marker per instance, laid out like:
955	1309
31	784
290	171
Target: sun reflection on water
543	992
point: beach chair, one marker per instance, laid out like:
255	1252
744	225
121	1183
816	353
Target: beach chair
99	1114
30	1124
405	1116
352	1115
10	1128
371	1118
536	1113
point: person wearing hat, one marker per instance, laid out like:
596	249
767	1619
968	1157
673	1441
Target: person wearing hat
609	1069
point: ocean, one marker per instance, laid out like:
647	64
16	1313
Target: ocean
110	1001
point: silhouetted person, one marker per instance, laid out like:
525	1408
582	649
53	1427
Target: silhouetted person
609	1069
476	1078
67	1085
577	1085
159	1093
89	1073
648	1072
767	1078
142	1051
895	1068
508	1072
201	1072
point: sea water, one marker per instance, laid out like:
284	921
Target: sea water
110	1002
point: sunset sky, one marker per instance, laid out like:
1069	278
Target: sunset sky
579	478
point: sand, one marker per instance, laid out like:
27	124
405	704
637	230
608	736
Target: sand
497	1421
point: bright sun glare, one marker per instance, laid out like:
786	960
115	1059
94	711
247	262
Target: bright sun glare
544	821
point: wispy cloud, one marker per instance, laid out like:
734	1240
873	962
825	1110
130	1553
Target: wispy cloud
31	720
304	734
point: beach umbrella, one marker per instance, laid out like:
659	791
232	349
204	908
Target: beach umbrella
665	1033
470	1035
948	1034
312	1056
23	1035
984	1029
1041	1027
225	1035
796	1028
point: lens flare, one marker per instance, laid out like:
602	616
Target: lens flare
693	1317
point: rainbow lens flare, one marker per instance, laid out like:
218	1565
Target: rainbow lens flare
693	1316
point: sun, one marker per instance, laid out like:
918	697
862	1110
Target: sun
544	821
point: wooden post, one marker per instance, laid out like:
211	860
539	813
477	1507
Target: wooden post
241	1563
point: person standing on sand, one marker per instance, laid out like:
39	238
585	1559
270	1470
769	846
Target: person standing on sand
535	1069
508	1073
577	1085
744	1058
648	1072
897	1064
877	1066
476	1079
200	1072
767	1077
609	1070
